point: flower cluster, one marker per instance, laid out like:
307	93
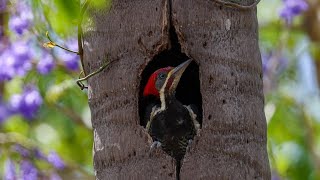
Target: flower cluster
46	64
9	170
292	8
21	20
28	170
22	58
4	111
27	104
55	160
3	5
17	56
15	61
21	54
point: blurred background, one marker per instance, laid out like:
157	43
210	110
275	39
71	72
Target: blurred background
45	127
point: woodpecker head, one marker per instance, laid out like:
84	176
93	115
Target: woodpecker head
165	80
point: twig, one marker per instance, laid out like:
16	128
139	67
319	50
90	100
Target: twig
236	5
79	81
80	42
52	43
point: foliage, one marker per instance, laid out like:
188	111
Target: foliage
45	120
45	129
291	87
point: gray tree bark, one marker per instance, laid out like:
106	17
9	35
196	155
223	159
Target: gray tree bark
224	43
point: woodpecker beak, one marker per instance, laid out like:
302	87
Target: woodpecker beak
174	76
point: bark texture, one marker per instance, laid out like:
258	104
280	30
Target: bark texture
224	42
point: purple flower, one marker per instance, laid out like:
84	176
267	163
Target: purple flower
15	61
292	8
38	154
7	70
21	50
18	24
5	112
21	150
55	160
71	60
32	102
22	54
46	64
15	102
3	5
24	9
21	21
28	171
9	171
26	103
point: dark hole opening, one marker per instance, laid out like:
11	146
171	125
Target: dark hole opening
188	90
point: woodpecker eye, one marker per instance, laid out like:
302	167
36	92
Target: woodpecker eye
162	76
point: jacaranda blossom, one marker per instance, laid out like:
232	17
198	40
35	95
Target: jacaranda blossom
21	21
45	64
3	5
55	160
9	170
27	103
292	8
18	24
4	111
28	171
21	150
15	61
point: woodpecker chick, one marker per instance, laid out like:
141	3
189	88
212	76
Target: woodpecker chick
170	123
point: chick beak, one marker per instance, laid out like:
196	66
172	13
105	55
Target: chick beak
174	77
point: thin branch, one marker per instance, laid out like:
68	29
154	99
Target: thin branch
52	43
80	41
79	81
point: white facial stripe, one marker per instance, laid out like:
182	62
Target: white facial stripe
162	92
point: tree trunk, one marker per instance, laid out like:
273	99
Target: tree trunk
224	43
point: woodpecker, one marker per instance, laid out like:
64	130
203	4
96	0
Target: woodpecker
171	124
